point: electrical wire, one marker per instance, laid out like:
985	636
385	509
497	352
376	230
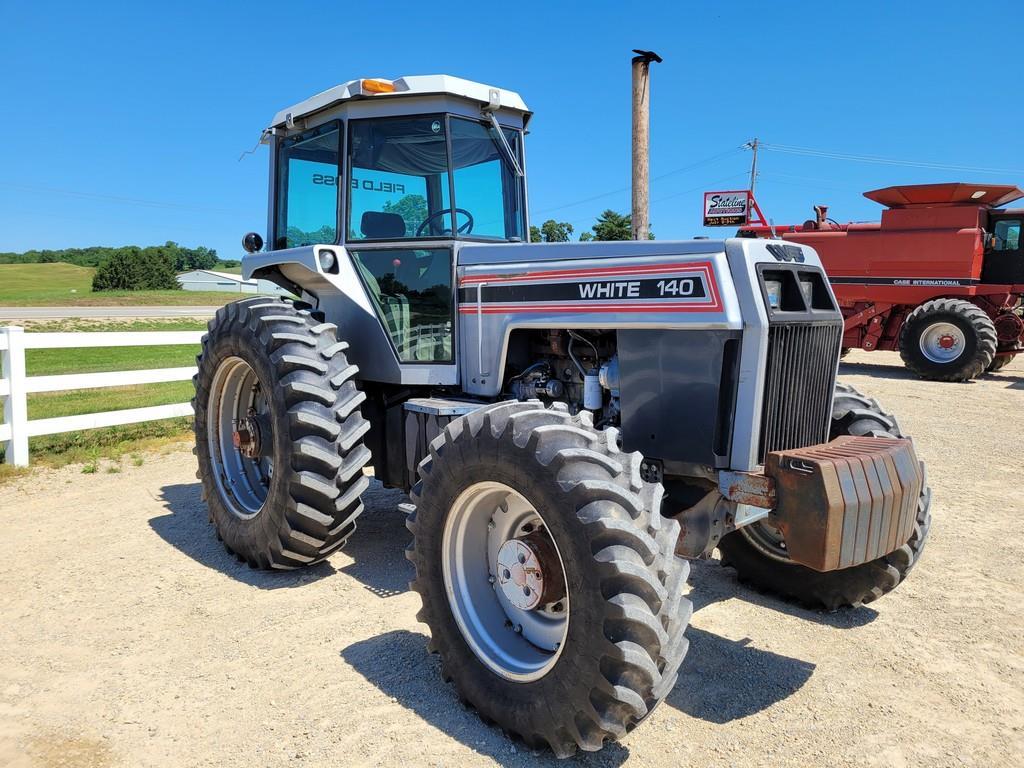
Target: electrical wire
877	160
683	169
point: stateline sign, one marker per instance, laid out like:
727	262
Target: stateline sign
727	209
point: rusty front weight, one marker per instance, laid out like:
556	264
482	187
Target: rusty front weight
837	504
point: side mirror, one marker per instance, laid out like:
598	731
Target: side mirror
252	243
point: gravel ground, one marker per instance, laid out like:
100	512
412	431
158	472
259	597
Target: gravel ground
128	637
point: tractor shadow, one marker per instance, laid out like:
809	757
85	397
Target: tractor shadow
398	664
377	548
715	583
722	680
186	527
876	370
1011	379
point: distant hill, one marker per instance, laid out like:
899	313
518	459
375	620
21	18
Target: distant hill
183	258
27	281
67	285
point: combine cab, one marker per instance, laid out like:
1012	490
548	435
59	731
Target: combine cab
940	278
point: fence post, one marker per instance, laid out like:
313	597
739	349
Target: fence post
15	405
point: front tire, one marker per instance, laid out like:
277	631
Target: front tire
948	340
279	433
757	552
617	652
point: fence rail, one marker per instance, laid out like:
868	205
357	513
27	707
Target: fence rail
15	385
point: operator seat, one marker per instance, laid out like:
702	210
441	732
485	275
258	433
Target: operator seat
377	225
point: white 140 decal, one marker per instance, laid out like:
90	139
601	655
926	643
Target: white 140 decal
676	287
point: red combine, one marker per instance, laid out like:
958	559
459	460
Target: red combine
940	278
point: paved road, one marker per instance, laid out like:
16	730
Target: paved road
62	313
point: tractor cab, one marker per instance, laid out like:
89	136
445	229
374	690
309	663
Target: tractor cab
394	172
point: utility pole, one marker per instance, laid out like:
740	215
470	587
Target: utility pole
640	216
752	145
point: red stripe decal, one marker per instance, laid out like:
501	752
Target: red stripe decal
529	277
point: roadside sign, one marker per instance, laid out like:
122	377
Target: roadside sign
727	209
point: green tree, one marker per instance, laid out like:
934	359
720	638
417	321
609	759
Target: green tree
136	269
551	231
413	210
614	226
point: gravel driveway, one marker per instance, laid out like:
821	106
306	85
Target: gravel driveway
129	637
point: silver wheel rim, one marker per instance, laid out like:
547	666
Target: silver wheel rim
237	399
942	342
517	644
767	539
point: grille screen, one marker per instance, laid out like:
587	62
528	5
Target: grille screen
801	373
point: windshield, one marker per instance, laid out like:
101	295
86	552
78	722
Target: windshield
403	172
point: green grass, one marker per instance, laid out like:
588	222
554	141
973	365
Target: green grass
58	284
47	362
109	442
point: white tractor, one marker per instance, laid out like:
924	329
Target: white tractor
572	421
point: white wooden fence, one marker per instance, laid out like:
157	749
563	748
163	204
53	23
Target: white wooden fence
15	385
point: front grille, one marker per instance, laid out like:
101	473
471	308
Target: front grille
800	378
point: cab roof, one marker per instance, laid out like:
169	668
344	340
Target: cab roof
414	85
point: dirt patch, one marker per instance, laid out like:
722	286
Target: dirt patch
129	637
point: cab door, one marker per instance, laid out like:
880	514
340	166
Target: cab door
1004	252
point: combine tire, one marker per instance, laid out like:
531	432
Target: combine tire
278	433
758	553
948	340
1000	362
548	575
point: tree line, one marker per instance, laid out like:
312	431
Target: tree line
130	267
610	226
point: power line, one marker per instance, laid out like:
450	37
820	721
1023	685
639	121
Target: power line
118	199
683	169
829	155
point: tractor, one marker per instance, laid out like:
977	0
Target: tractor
573	422
940	278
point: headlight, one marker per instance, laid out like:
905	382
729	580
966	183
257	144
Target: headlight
807	287
327	260
774	290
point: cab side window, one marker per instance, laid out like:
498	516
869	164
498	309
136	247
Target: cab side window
1007	235
307	193
411	290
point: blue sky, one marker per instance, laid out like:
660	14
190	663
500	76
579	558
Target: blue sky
124	122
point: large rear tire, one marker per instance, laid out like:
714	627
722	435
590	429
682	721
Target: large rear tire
758	553
948	340
587	668
279	433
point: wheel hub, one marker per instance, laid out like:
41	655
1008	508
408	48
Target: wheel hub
505	581
943	342
521	570
247	437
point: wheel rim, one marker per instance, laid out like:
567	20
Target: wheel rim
240	438
942	342
767	539
490	528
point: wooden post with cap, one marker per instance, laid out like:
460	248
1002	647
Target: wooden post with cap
640	216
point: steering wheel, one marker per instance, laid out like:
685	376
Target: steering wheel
465	229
